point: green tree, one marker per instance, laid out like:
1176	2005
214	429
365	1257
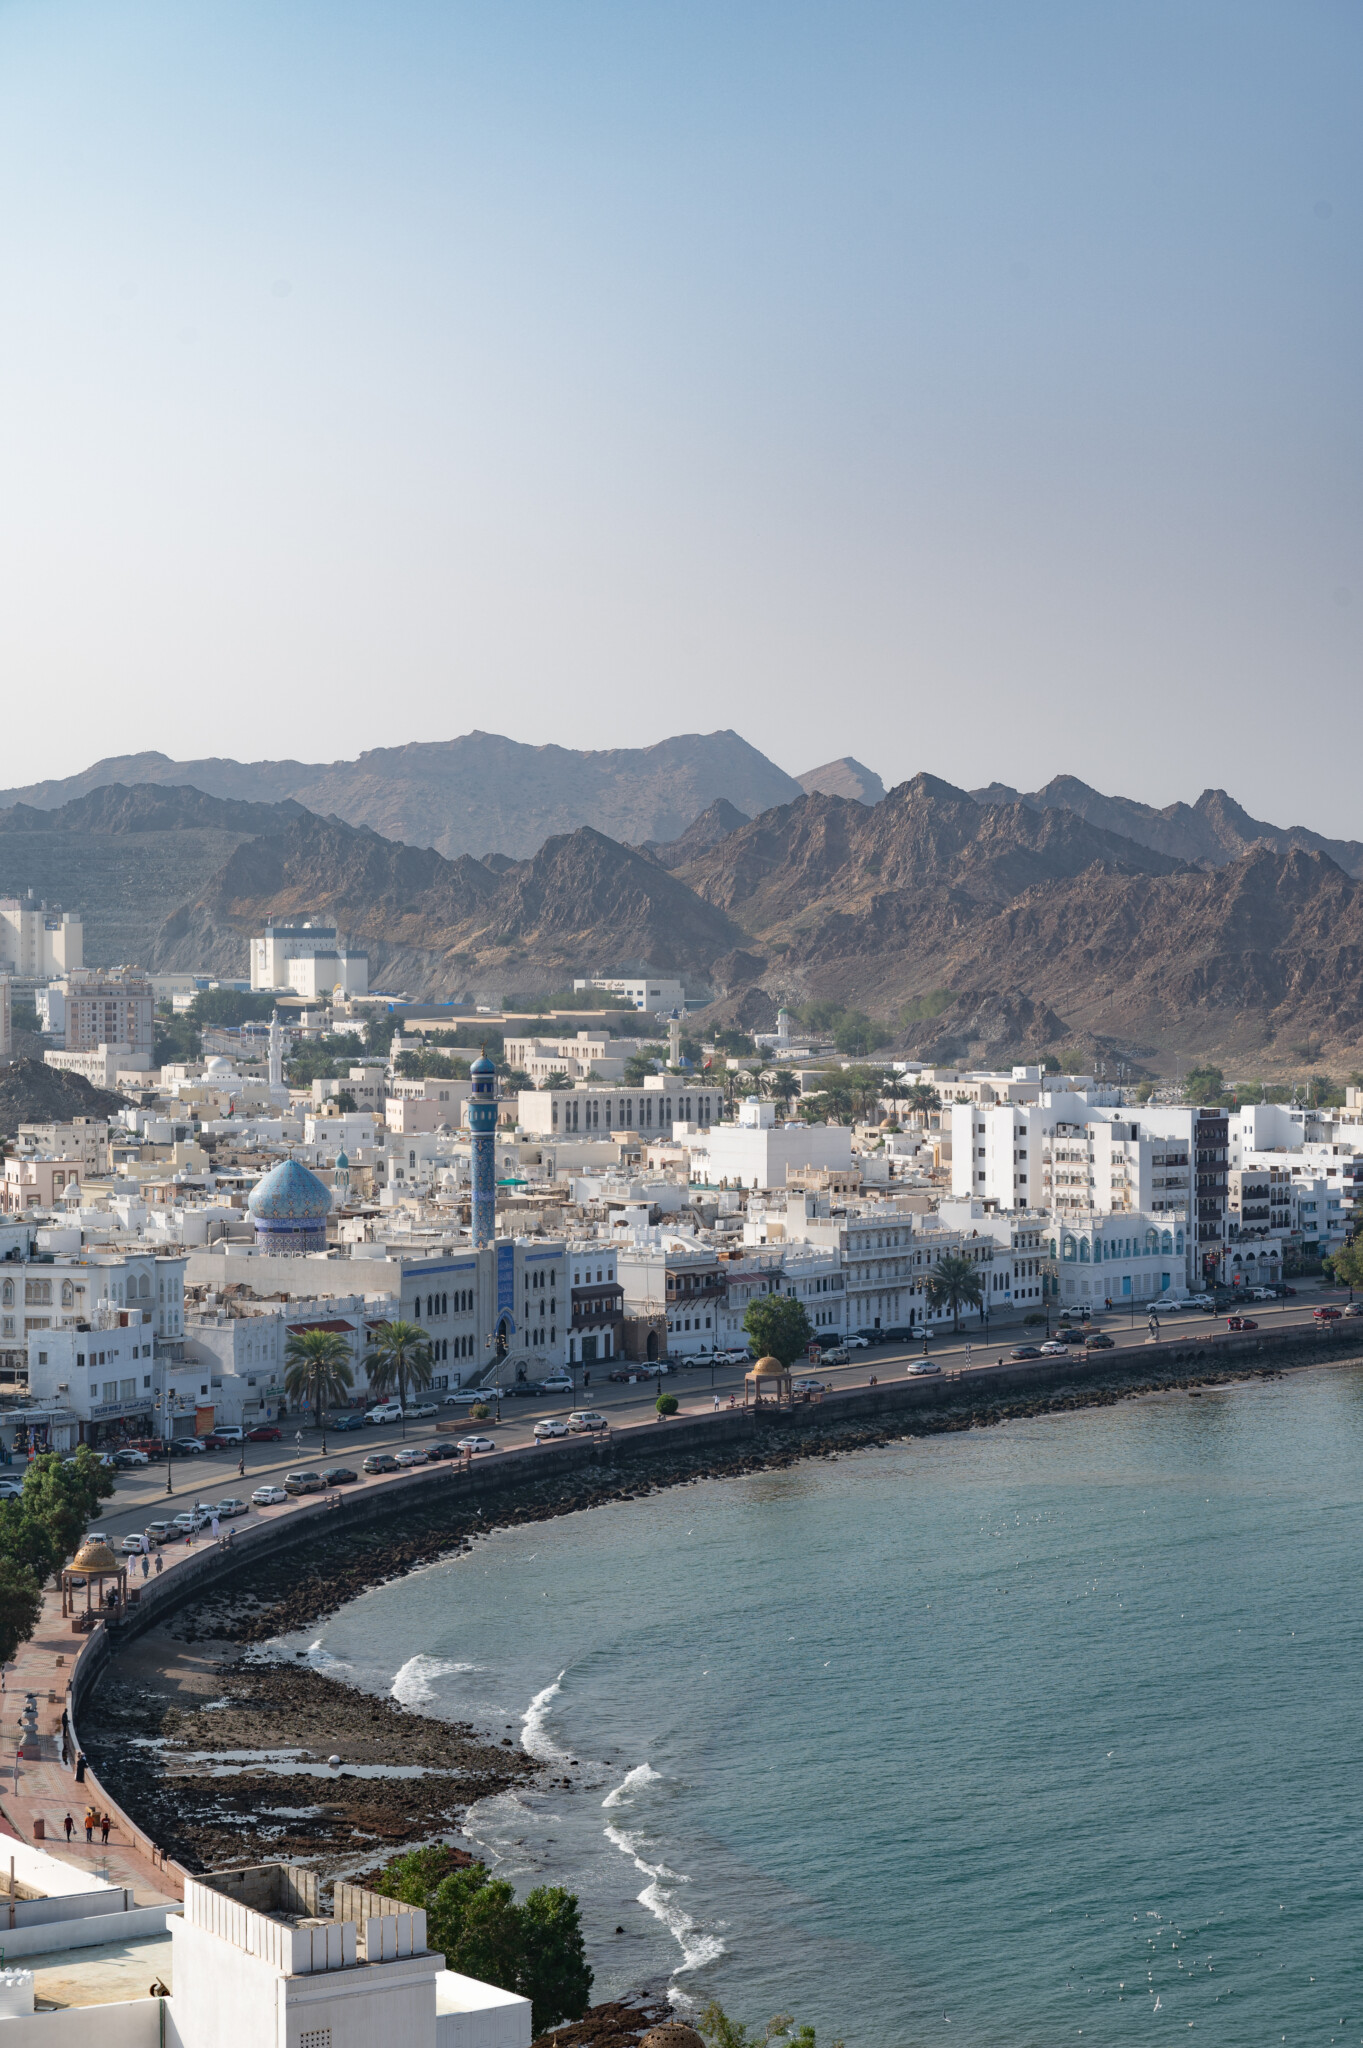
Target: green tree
63	1495
1205	1085
1347	1263
28	1543
715	2027
638	1067
227	1007
21	1605
954	1283
779	1084
431	1065
777	1327
317	1370
923	1099
399	1362
534	1947
345	1103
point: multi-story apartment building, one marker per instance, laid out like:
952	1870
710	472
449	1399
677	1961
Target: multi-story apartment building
38	1183
686	1282
596	1329
589	1054
812	1274
1119	1258
886	1257
117	1010
38	944
85	1138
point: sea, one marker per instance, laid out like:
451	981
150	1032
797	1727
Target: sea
1047	1732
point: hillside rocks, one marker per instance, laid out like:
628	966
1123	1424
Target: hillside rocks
33	1093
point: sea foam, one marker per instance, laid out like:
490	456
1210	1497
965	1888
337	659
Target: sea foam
415	1683
697	1949
535	1740
632	1782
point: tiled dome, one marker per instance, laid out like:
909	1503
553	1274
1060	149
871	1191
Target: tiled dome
483	1066
289	1194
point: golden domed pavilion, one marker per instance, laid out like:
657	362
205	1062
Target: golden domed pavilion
94	1568
768	1385
672	2034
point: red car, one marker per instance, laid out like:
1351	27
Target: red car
266	1434
1326	1315
1241	1323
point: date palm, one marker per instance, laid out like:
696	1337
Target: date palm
955	1284
399	1361
317	1370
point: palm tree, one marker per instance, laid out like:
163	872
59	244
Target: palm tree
399	1361
922	1098
317	1369
954	1283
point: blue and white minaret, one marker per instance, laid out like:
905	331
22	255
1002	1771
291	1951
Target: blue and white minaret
483	1124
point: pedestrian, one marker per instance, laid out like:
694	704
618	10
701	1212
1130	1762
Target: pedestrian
231	1538
159	1562
146	1567
69	1825
213	1528
146	1543
104	1826
716	1400
89	1823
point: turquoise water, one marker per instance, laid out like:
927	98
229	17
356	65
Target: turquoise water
1042	1733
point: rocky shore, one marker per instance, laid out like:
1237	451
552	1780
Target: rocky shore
181	1727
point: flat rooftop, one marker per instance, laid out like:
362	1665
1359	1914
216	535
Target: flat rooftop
106	1975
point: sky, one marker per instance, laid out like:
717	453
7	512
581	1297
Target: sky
970	387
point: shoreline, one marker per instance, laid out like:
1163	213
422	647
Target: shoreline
177	1722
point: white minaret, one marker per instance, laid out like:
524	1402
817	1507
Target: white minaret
278	1092
674	1040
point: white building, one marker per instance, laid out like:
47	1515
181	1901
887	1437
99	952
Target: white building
308	958
591	1054
1123	1260
757	1152
38	944
645	991
810	1273
666	1274
652	1111
116	1009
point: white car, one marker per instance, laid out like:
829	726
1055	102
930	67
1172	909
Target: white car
413	1455
476	1443
391	1411
856	1343
464	1397
232	1506
1051	1349
546	1429
423	1413
921	1367
269	1496
230	1433
556	1386
131	1546
189	1520
11	1489
586	1420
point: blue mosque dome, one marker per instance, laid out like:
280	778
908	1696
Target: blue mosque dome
483	1066
289	1194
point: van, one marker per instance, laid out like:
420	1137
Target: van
229	1433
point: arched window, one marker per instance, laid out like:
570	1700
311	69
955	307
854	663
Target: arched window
1166	1243
144	1287
1067	1251
9	1294
1152	1240
1083	1251
1179	1245
1050	1247
68	1294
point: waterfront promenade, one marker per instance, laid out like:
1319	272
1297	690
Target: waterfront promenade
45	1788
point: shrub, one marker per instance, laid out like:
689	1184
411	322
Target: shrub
480	1411
666	1404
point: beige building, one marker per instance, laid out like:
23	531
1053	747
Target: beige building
38	1183
38	944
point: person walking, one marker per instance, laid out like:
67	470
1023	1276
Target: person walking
146	1543
104	1826
146	1567
159	1563
89	1823
213	1528
715	1399
69	1825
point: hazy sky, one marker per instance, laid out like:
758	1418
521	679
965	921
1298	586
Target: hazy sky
971	386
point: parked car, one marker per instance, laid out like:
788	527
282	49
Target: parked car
131	1545
1261	1294
922	1368
464	1397
808	1387
268	1496
233	1506
1241	1323
157	1532
188	1447
304	1482
1068	1337
128	1459
1326	1315
1053	1348
347	1421
586	1421
411	1455
230	1432
476	1443
380	1461
444	1449
216	1441
556	1384
387	1411
857	1343
423	1413
1355	1308
839	1355
11	1489
188	1522
548	1429
266	1433
340	1475
1099	1342
1025	1351
623	1373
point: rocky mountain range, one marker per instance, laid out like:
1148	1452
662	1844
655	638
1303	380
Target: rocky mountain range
475	794
977	924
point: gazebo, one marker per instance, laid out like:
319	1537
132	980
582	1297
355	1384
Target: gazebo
92	1565
672	2034
768	1385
